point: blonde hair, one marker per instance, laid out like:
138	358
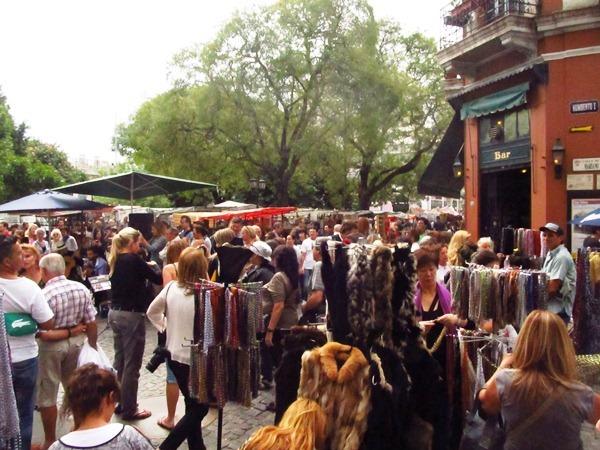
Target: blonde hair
257	230
120	242
250	231
458	240
31	230
55	233
193	266
223	236
303	427
544	356
34	251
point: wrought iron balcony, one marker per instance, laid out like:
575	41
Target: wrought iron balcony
463	18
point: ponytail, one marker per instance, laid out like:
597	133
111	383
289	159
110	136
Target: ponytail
120	242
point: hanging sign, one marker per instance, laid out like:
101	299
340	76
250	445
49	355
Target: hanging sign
587	106
586	164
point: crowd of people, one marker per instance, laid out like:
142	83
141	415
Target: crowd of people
49	312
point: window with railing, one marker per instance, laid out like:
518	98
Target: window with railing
460	18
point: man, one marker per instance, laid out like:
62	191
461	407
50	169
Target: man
201	238
561	272
73	308
315	303
23	297
236	226
593	240
100	266
70	242
307	261
4	231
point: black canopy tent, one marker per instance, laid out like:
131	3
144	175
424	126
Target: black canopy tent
134	185
47	201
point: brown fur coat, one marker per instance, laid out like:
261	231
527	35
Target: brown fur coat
336	376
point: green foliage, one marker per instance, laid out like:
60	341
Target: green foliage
331	107
28	165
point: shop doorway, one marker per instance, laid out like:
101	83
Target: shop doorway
505	199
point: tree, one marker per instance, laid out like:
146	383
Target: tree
28	165
268	71
388	93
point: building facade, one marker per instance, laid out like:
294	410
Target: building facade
523	77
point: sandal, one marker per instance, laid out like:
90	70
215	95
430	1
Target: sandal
140	414
161	423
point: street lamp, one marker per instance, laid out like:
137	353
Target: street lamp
558	157
258	186
457	166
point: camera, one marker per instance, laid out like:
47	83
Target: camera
159	356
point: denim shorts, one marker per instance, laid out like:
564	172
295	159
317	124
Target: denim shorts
170	375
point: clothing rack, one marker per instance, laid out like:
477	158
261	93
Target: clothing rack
197	343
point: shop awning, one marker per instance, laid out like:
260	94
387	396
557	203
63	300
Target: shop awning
438	178
245	214
498	101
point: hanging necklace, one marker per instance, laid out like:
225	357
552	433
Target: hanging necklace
438	342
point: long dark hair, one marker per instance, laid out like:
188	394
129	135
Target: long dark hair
286	261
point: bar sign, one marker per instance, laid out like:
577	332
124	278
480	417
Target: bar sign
584	107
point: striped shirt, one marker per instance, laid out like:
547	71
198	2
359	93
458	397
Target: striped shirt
70	301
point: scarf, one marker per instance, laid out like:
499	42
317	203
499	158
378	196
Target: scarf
9	420
443	297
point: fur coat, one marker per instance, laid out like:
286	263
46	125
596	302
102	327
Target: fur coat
336	376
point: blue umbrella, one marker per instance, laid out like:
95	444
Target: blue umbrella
47	200
591	219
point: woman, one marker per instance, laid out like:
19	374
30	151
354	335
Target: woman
185	225
57	245
262	271
281	306
30	234
40	243
128	276
443	266
169	272
157	242
91	395
485	243
173	311
537	385
31	263
201	238
221	237
248	235
459	241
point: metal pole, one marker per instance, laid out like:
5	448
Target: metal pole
219	428
131	194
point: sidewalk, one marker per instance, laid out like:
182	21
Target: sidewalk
238	422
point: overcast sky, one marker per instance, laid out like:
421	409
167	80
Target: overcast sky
72	69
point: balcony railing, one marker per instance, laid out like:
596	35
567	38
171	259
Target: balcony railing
461	18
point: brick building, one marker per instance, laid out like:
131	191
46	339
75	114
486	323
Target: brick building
523	77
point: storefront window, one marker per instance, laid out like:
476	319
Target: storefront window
504	127
523	122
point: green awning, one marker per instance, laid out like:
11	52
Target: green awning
498	101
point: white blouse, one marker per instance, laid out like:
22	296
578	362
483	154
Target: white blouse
173	310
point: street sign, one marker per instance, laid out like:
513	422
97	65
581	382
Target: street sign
586	164
587	106
580	182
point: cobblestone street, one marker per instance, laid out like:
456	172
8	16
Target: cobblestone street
239	422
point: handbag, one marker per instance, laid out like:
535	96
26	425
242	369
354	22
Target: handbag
489	434
20	324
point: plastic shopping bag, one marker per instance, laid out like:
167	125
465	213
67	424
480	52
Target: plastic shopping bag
89	354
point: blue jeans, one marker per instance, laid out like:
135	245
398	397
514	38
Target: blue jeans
24	375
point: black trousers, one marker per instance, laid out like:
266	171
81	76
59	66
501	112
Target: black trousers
190	425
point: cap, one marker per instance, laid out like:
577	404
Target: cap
553	228
261	249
